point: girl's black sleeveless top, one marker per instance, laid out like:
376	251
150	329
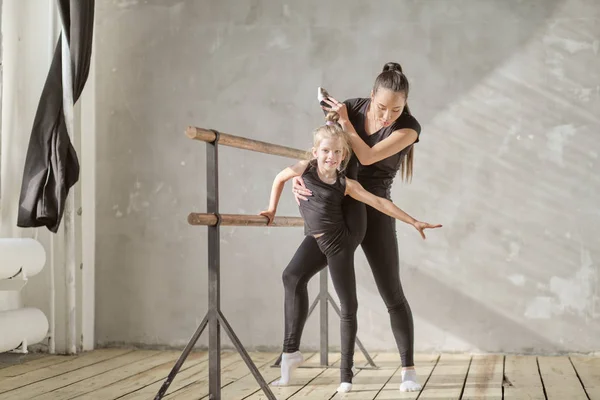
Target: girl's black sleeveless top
322	212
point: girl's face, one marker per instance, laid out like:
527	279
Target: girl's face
387	105
329	153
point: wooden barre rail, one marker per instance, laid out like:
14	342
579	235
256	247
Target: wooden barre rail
226	139
242	220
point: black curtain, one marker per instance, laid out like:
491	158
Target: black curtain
51	165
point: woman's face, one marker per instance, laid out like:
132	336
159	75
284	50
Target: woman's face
387	105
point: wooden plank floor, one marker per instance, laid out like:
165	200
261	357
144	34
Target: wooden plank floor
110	374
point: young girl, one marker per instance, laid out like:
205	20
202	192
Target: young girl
324	221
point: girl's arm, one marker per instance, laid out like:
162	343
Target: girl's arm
355	190
278	184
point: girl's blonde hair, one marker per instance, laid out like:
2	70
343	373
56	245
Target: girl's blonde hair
332	130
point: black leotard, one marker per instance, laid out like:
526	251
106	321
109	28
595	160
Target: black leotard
323	216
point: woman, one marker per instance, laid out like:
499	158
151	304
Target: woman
382	133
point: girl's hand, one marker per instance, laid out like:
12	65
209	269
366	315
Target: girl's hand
421	226
269	214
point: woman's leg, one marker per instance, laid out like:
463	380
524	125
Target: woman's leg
381	249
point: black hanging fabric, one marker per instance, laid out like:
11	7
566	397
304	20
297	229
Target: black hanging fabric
51	164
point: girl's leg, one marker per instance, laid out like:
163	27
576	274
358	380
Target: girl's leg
341	267
355	213
307	261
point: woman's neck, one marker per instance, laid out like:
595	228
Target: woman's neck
371	125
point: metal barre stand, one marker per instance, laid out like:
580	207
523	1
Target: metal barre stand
214	318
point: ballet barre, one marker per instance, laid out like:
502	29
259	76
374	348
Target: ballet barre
214	318
225	139
242	220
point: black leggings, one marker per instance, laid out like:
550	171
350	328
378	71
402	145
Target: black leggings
381	249
377	234
307	261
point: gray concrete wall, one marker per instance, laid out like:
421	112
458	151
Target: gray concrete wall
508	93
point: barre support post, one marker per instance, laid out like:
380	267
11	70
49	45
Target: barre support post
214	273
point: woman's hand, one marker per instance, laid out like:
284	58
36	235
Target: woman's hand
269	214
338	107
421	226
300	190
